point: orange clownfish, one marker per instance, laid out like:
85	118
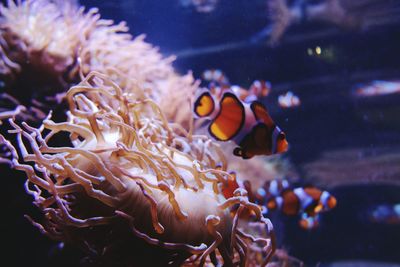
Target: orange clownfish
271	189
247	124
289	100
260	88
257	90
309	200
215	75
230	186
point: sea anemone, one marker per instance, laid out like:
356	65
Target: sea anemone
129	61
128	174
42	36
46	44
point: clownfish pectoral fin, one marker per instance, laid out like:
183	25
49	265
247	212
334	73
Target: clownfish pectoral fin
261	113
239	152
230	118
204	105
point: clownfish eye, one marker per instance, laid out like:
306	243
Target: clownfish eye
281	136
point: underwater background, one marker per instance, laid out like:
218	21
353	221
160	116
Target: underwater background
341	141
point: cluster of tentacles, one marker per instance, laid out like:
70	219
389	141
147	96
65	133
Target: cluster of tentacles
127	165
48	45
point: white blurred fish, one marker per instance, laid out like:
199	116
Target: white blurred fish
289	100
376	88
387	214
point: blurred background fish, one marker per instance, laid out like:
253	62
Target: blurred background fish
385	214
377	88
288	100
201	6
307	202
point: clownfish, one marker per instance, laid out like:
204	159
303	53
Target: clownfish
309	200
215	75
260	88
247	124
289	100
270	190
379	88
257	90
243	94
230	185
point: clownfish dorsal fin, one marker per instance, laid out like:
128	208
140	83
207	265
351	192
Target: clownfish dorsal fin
204	104
239	152
230	119
313	192
261	113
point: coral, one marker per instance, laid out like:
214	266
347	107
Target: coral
129	174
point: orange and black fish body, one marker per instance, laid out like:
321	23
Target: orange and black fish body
247	124
308	200
230	185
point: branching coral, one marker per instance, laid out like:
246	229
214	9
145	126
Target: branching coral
127	164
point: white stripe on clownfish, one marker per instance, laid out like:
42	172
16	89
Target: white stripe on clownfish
279	202
276	187
273	188
304	198
275	135
261	191
324	199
